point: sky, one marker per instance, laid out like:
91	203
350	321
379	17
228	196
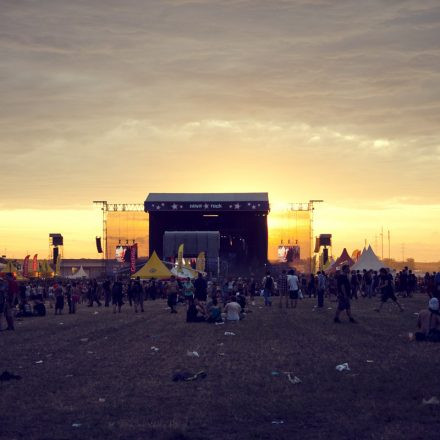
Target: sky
307	99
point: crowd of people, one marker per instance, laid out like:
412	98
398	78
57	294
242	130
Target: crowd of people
214	301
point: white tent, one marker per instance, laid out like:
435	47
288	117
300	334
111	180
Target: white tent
184	272
368	261
80	273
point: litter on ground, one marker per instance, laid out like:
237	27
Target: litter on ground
343	367
192	354
229	334
185	376
295	380
432	401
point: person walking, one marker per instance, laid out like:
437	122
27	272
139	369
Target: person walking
344	292
386	287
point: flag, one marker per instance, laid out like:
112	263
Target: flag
35	263
180	257
26	266
133	252
200	263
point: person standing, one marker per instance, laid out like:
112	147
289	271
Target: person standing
172	293
252	289
59	299
107	293
152	289
386	287
282	288
344	292
321	289
117	294
7	301
293	286
188	290
138	296
436	285
200	288
268	286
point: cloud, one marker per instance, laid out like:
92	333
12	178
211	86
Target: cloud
115	98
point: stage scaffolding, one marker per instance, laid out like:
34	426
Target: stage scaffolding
290	227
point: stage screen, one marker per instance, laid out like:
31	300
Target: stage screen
124	228
289	237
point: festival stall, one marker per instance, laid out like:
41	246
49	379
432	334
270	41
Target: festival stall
343	260
368	261
79	274
154	268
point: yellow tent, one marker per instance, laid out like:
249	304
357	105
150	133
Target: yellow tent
154	268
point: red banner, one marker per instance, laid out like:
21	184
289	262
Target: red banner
133	254
35	263
26	266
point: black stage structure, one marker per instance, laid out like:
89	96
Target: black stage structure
240	218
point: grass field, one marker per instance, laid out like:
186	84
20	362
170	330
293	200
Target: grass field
100	378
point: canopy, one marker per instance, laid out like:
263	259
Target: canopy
341	261
80	273
368	261
154	268
184	272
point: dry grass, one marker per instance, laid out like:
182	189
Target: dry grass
240	398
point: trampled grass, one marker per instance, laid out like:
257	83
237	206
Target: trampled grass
113	385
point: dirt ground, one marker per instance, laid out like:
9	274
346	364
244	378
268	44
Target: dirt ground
95	375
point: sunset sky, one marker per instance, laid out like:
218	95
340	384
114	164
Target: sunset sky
307	99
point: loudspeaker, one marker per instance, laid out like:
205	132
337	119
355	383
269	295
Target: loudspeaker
55	255
98	245
325	256
325	240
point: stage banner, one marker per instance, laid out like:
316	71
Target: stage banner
200	264
26	266
133	252
180	257
58	265
35	263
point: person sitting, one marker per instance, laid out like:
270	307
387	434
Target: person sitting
194	312
39	308
429	322
232	310
214	312
25	310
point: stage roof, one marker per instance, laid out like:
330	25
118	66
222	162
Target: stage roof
207	202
